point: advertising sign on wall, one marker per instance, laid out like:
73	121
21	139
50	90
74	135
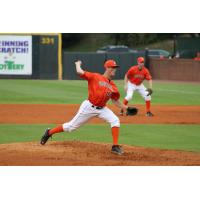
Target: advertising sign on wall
15	55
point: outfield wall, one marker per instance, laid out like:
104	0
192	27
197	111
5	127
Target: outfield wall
94	62
175	69
40	56
163	69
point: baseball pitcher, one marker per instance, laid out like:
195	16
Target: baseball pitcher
133	81
100	89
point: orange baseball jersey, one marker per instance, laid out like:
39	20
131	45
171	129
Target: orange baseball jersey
100	89
137	76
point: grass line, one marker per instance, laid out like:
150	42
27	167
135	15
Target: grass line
177	137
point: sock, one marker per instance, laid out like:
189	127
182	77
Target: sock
57	129
115	135
148	105
125	102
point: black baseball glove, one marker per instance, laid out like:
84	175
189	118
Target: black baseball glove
131	111
150	91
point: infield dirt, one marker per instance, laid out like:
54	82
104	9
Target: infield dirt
77	153
60	113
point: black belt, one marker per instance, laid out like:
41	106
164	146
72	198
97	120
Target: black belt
97	107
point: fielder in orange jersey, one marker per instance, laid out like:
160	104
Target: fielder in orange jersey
133	81
100	88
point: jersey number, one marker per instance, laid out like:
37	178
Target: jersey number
108	94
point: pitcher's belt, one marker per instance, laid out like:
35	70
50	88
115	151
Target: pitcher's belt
97	107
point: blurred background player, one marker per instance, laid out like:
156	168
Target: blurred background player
197	58
100	88
133	81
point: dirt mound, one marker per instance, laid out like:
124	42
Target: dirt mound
59	113
75	153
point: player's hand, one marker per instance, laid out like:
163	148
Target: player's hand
78	62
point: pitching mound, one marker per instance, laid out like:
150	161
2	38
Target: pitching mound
76	153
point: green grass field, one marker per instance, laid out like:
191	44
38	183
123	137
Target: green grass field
70	91
179	137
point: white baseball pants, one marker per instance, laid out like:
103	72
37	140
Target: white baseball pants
131	88
86	112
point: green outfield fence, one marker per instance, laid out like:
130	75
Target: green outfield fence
187	47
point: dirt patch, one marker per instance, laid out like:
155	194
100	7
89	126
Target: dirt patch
77	153
59	113
92	154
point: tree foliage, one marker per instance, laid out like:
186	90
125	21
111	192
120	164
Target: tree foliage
136	39
70	39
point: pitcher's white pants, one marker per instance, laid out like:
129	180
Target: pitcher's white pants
131	88
86	112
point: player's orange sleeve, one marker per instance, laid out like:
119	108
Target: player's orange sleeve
115	96
129	72
148	75
87	75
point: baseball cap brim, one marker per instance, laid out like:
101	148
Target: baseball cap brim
116	66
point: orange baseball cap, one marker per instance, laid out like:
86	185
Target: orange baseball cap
110	64
140	60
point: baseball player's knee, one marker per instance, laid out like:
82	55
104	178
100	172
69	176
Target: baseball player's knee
68	127
147	98
128	97
115	122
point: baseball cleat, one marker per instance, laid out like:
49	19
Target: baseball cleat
121	112
45	137
149	114
116	149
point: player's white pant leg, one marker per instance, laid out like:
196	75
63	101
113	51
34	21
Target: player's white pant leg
130	90
84	113
142	90
109	117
